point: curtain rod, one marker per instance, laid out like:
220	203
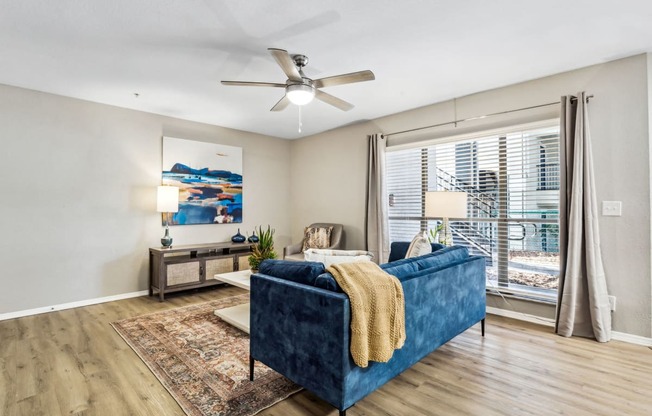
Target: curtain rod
573	98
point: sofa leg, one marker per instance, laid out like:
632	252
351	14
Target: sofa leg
342	412
251	368
482	326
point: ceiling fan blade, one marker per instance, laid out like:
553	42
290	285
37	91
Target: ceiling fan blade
344	79
253	84
281	104
286	63
332	100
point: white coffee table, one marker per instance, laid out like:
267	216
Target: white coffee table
238	315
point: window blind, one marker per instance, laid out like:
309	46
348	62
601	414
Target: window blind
512	182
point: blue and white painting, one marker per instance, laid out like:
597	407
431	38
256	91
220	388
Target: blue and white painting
209	178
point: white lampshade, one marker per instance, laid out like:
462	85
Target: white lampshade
167	199
445	204
300	94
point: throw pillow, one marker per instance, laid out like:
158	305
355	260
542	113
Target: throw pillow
419	246
317	237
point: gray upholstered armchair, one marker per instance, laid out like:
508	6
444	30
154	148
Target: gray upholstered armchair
294	251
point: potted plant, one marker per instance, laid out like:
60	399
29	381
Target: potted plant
263	249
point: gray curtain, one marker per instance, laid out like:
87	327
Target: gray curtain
583	304
377	224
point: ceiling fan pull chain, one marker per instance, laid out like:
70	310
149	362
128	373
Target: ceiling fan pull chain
300	123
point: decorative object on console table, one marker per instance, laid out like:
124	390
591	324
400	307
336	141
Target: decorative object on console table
193	266
445	205
253	238
238	238
263	249
167	201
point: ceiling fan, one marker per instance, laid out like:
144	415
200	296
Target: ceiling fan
299	89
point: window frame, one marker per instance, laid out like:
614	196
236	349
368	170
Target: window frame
543	181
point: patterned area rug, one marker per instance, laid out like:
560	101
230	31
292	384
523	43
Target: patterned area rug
203	361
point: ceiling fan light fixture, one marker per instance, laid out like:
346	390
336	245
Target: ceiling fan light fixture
300	94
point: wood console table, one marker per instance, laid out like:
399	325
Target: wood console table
192	266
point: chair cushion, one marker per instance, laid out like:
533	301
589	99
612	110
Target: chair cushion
419	246
316	237
295	257
304	272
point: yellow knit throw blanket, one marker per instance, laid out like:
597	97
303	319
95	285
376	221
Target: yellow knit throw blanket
377	310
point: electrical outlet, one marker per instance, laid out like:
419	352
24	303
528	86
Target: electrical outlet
612	208
612	303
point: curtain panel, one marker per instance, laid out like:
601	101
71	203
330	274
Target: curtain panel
377	223
583	302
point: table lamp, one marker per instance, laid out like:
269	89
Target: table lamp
167	201
445	205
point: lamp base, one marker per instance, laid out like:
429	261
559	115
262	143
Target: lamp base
445	235
166	241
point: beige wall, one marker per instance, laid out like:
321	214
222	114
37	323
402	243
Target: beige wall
649	119
78	182
78	208
329	169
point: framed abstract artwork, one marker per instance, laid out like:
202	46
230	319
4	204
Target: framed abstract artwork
209	178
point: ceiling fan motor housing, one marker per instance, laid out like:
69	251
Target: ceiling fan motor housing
300	60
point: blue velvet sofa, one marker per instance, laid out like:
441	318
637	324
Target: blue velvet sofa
300	320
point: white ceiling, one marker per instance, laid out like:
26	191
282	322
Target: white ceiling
173	53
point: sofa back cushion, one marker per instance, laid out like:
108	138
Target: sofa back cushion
404	269
328	282
304	272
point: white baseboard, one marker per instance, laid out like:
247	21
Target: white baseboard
521	316
616	336
60	307
632	339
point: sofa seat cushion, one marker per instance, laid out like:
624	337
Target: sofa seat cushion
304	272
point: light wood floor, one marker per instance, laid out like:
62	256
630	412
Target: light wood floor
73	363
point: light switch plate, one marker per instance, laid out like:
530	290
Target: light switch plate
612	208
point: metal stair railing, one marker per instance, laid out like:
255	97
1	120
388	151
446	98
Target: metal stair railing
474	238
482	201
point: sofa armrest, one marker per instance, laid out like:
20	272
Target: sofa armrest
292	249
301	332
